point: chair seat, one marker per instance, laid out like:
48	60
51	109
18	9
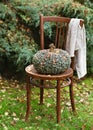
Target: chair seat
35	78
30	70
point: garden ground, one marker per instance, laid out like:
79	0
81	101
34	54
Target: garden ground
13	107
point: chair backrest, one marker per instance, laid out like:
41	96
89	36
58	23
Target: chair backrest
61	28
61	25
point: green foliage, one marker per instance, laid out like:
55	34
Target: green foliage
24	55
19	28
89	3
17	47
84	1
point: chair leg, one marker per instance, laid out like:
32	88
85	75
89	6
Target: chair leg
28	97
58	101
72	95
41	92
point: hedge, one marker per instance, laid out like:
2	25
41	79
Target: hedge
19	29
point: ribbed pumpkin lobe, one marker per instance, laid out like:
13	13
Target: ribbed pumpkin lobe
51	61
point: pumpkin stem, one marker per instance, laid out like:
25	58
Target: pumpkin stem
52	47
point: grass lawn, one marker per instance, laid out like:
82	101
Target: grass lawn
13	107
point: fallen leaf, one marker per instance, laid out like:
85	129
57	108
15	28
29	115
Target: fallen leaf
6	113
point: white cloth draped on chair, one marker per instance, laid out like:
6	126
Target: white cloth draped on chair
76	41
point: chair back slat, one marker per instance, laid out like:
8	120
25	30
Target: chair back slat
56	34
59	37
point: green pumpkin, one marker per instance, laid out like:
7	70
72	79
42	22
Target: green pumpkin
51	61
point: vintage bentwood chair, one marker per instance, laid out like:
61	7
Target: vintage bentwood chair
32	76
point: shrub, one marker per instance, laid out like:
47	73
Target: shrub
17	47
19	25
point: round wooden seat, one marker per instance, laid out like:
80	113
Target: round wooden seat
30	70
35	78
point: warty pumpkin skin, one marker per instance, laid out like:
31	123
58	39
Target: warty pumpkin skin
51	62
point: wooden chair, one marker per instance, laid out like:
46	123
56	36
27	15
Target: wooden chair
61	24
